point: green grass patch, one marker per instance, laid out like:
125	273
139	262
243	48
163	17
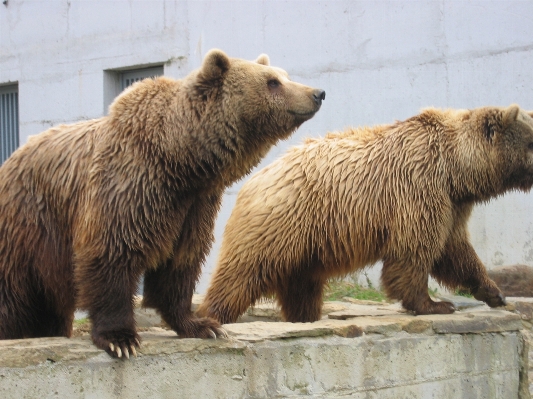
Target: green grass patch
336	290
465	293
460	292
79	322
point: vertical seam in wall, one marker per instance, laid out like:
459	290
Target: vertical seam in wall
523	379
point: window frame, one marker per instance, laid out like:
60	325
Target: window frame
116	80
9	120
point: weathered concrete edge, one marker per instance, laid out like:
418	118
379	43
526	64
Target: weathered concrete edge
390	356
28	352
317	367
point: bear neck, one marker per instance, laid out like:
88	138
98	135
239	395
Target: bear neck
229	150
472	175
230	147
184	131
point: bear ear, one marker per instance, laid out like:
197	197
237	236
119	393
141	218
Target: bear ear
216	63
510	114
263	60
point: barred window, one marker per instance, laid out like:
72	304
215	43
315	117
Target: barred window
116	80
9	121
127	78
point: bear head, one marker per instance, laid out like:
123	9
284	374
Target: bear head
254	96
508	137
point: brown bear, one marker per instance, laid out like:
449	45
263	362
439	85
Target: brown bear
87	209
400	193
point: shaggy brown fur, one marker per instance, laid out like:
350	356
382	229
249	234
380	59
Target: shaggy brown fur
400	193
86	209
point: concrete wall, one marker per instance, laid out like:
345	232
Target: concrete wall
303	368
475	355
377	61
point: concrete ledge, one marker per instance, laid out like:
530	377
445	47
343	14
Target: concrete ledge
471	354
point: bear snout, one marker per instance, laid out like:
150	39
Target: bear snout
318	96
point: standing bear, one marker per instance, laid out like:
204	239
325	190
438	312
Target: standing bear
87	209
399	193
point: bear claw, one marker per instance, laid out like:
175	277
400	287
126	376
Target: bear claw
223	333
117	344
218	333
203	327
124	351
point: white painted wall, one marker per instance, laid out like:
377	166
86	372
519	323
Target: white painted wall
377	60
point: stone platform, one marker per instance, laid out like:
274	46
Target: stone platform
356	351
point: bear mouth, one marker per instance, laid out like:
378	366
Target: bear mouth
304	114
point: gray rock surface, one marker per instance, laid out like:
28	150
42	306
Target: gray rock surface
515	281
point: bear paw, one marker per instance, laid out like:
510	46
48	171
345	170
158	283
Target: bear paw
492	296
432	307
118	343
203	327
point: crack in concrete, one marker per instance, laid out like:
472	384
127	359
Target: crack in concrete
407	61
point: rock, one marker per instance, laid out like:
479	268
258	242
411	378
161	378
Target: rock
145	318
516	280
333	306
460	302
259	330
476	322
363	301
355	310
524	306
197	299
264	310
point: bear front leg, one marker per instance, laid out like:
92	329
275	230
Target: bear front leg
106	291
407	281
169	287
459	266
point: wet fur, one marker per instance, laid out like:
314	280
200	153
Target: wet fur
399	193
87	209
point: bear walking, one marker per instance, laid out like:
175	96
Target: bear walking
87	209
399	193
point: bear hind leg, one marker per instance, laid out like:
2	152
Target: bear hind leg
233	289
408	283
33	316
300	296
54	308
14	317
53	323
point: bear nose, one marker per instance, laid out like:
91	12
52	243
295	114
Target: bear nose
318	96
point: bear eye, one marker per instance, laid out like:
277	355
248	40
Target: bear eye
488	130
273	83
530	146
